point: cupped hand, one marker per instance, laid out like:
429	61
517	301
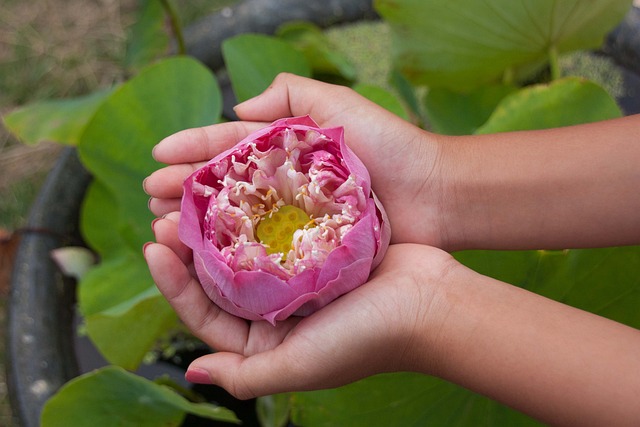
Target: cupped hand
367	331
401	158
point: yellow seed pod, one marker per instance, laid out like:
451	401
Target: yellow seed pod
275	231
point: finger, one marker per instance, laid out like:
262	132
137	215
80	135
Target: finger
173	216
171	239
202	144
166	233
248	377
166	183
291	95
218	329
161	207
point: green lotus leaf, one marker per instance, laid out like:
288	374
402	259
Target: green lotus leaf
564	102
465	43
254	60
61	120
455	113
113	397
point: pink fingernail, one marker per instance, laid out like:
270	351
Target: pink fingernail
197	376
144	247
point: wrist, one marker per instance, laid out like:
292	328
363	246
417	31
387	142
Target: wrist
417	204
431	301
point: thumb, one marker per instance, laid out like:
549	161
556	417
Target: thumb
246	377
291	95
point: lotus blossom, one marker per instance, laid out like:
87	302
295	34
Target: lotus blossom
283	223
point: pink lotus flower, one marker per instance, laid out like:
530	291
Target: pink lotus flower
284	222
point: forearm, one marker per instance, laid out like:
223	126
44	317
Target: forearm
561	188
556	363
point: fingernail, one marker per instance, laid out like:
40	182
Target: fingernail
154	150
149	203
197	376
247	101
144	185
235	108
153	224
145	246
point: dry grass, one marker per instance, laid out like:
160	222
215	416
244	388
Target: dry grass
51	49
61	48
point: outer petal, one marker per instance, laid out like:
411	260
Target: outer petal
190	229
347	280
384	237
359	243
295	121
356	167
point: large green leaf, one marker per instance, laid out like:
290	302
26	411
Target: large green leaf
125	333
254	60
602	281
123	312
464	43
402	399
113	397
274	410
564	102
454	113
99	208
102	288
61	121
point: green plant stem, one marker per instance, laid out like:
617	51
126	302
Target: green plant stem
554	64
175	24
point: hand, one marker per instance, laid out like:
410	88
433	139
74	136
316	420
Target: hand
367	331
400	157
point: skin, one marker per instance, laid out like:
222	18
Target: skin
421	310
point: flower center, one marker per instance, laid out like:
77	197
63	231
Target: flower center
275	231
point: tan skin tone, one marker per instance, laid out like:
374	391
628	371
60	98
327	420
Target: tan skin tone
421	310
